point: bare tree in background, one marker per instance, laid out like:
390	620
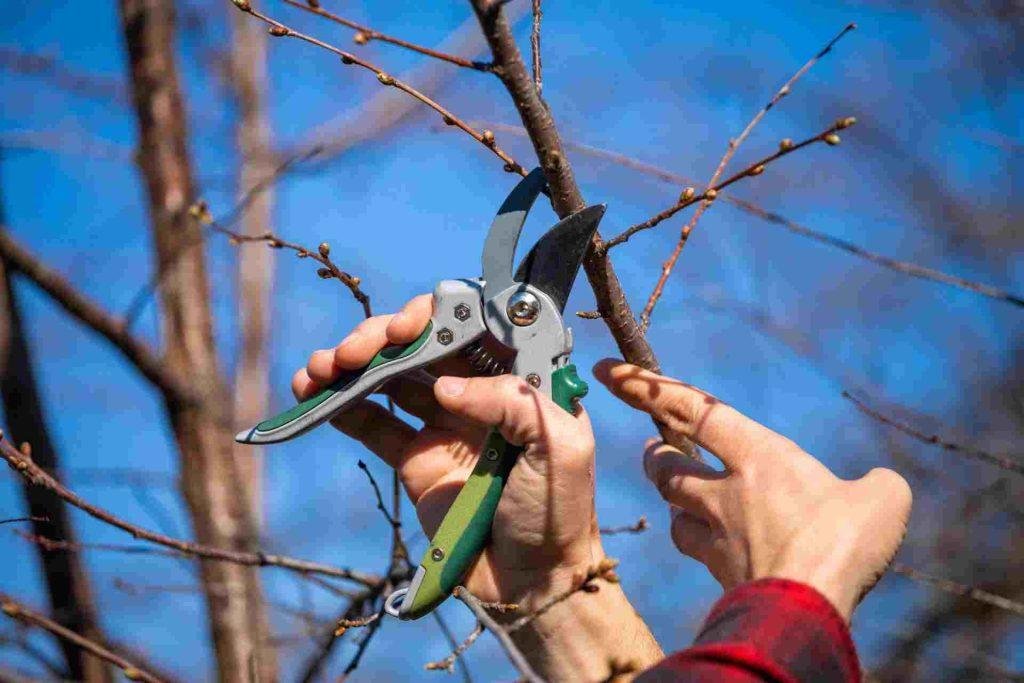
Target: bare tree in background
222	484
212	484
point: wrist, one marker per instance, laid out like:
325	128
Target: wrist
585	633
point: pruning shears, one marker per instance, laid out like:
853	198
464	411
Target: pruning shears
504	322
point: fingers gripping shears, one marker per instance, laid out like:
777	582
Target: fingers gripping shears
504	322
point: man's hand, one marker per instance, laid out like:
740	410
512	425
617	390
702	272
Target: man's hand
545	531
775	511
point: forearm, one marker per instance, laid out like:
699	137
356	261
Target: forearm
589	636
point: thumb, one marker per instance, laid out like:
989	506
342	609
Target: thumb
523	415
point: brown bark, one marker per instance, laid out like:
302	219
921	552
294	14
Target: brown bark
67	583
565	194
93	316
212	486
255	265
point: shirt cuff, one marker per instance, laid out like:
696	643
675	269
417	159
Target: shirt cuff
772	629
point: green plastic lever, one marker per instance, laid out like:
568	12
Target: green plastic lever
299	417
466	527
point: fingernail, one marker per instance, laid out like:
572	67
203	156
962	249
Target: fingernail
649	448
452	386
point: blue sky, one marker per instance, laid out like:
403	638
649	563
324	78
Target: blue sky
663	82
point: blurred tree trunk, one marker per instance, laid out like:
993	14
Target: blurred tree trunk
212	486
255	265
67	583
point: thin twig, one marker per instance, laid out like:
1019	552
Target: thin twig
442	625
365	34
535	46
36	475
828	136
24	519
638	527
322	255
905	267
377	494
364	643
399	550
355	608
688	197
665	175
18	611
605	569
448	663
64	77
485	138
515	655
1002	462
960	589
145	293
684	235
343	625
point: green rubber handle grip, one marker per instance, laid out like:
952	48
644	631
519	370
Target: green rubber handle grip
466	527
342	392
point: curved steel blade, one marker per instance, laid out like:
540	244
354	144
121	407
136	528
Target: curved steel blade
500	245
552	264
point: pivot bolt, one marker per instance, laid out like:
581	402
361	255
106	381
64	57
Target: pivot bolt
491	454
445	336
462	312
523	309
437	554
533	379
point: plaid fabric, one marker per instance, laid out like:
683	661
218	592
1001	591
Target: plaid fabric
767	630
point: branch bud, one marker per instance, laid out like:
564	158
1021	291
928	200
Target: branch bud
687	194
324	249
845	123
448	121
710	194
385	79
361	38
132	674
785	144
10	609
488	138
277	31
242	5
201	212
345	59
509	168
325	273
757	170
314	4
831	139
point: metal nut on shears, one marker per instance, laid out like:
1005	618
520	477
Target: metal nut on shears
462	312
523	309
445	336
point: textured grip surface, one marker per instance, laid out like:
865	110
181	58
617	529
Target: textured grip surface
384	356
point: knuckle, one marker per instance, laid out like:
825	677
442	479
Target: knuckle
511	387
680	409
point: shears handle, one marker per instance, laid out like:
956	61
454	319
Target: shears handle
466	527
457	320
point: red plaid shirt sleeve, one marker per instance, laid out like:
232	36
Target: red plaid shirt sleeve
767	630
